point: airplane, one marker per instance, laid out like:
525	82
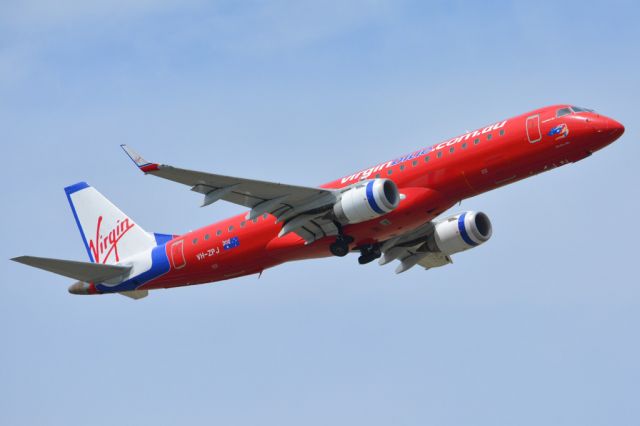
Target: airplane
388	211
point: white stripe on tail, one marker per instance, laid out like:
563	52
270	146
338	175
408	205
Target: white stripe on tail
108	234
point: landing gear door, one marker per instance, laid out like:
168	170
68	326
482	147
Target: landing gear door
533	129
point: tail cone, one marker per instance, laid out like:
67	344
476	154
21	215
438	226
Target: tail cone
81	287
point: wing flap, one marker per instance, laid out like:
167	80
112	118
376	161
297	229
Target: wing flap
434	260
409	249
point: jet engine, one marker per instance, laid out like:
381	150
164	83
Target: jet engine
367	201
459	233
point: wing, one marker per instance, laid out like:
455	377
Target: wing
303	209
409	248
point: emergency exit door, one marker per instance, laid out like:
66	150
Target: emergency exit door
533	129
177	255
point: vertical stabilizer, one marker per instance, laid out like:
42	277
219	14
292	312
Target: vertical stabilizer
108	234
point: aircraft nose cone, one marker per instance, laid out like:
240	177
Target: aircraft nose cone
607	127
614	127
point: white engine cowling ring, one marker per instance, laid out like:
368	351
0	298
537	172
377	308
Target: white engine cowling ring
461	232
367	201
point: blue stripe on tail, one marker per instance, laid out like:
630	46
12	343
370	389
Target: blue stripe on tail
159	266
71	189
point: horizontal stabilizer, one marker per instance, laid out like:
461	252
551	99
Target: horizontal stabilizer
83	271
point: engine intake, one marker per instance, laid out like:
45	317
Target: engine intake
460	232
367	201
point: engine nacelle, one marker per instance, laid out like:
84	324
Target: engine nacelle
460	232
367	201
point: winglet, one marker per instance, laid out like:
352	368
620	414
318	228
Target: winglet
140	162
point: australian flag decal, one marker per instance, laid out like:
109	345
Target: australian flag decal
562	130
230	243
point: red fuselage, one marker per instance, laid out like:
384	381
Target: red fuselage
431	180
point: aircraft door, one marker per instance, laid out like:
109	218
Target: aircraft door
177	255
533	129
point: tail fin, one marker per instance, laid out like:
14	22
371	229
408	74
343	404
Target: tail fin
108	234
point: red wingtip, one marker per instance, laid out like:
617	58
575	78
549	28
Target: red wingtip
149	167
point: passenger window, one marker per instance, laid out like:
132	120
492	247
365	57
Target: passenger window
206	236
415	163
563	111
502	132
451	149
242	224
464	145
426	159
230	228
489	136
476	141
377	175
402	167
219	232
390	171
195	240
440	154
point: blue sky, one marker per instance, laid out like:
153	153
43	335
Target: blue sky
538	326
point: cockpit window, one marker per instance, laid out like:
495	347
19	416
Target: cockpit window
563	111
580	109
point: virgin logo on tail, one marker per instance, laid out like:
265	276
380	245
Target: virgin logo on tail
104	245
